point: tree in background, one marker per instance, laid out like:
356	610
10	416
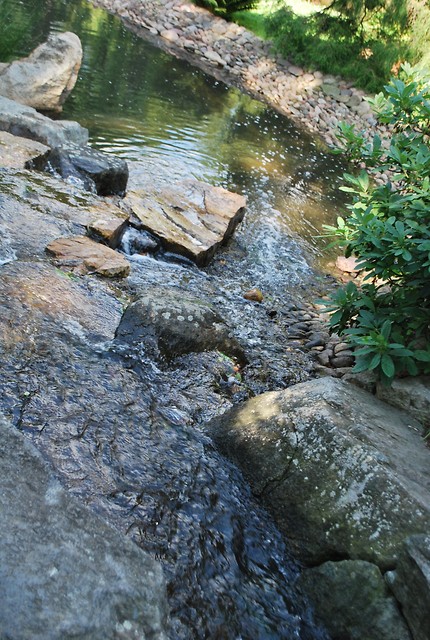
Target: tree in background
364	40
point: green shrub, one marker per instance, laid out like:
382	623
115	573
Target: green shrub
387	318
328	43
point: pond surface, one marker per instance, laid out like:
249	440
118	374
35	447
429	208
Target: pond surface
169	118
141	457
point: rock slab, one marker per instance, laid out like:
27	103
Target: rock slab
64	573
191	218
15	151
46	77
83	256
345	475
108	225
21	120
411	394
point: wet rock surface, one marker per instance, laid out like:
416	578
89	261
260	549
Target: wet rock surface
191	218
64	572
95	171
123	431
46	77
21	120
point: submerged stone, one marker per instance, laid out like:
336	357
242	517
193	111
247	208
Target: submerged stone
82	255
64	572
45	78
191	218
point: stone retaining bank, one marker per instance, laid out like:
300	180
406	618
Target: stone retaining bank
238	57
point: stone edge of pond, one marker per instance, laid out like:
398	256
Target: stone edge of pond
236	56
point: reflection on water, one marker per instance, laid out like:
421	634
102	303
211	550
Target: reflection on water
157	111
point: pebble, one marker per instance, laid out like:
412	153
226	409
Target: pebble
342	361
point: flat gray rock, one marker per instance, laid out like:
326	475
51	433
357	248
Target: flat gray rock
64	573
24	121
16	151
411	394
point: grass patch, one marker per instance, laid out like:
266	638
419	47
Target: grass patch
255	20
301	32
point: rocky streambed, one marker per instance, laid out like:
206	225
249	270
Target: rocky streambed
130	386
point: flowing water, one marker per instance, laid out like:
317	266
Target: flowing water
150	469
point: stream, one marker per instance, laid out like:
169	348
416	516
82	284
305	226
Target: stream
124	429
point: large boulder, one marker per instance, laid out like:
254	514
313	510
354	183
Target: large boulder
351	600
21	120
174	325
64	573
410	584
345	475
191	218
94	170
46	77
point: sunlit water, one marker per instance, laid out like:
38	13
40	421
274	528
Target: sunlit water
229	572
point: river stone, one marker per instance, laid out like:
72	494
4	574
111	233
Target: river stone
345	475
410	394
16	151
64	572
21	120
98	172
410	584
351	600
191	218
109	224
46	77
176	324
82	255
